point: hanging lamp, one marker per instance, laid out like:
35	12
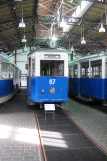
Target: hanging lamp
83	41
102	29
72	48
22	24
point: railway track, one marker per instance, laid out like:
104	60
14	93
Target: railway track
62	139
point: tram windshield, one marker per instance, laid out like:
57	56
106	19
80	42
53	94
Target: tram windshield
52	67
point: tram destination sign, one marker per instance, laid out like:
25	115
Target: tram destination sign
52	56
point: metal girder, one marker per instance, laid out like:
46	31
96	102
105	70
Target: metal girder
13	11
43	19
2	43
95	1
5	25
40	4
105	35
52	8
12	38
98	1
3	2
48	19
35	20
90	46
14	46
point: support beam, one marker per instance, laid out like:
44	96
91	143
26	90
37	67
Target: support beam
15	59
40	4
13	11
36	2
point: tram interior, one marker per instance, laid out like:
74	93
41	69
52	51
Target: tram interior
52	67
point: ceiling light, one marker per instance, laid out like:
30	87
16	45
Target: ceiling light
54	38
72	48
102	29
24	39
83	40
82	36
62	23
22	24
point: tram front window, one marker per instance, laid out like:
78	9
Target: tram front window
52	68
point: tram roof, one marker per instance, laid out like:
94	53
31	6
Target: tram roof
83	58
48	50
7	60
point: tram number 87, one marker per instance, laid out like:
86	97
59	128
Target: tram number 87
52	81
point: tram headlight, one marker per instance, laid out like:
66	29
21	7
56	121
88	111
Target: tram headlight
43	90
52	90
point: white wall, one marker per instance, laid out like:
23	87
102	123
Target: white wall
21	60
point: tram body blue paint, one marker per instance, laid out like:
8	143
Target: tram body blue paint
36	85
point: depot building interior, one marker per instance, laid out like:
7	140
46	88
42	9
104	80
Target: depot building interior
78	26
75	129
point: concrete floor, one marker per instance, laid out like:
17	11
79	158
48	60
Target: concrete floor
19	139
93	121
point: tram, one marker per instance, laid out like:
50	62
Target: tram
9	78
88	77
47	76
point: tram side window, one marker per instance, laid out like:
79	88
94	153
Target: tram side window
0	69
70	72
52	68
14	70
85	70
30	66
11	71
33	67
106	70
19	73
5	67
75	71
16	73
96	69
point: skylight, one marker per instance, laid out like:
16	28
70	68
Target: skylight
78	13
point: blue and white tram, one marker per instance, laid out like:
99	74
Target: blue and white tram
47	76
9	79
88	77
